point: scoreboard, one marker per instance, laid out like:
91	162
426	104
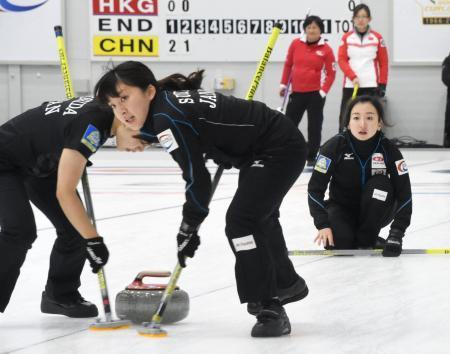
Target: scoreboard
207	30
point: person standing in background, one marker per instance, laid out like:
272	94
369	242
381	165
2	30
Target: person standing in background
363	58
446	81
310	63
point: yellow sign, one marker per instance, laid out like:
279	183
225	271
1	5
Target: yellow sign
144	46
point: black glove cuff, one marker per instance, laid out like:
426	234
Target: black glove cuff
95	239
188	229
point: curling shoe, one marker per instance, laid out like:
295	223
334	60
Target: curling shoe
297	291
272	321
78	308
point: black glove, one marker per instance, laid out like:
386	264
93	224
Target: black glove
393	245
188	242
97	253
381	90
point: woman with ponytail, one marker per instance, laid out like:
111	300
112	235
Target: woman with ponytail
270	152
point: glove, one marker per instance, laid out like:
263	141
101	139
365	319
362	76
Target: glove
97	253
188	242
381	90
393	245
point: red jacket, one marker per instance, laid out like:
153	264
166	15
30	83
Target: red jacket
365	58
311	67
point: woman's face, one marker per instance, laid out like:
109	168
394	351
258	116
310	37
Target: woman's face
312	32
364	121
361	20
132	105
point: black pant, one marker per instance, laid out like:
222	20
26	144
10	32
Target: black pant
18	232
313	103
447	121
347	95
359	227
253	228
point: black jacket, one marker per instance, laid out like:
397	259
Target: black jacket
192	124
34	140
446	74
341	166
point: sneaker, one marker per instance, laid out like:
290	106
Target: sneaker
79	308
297	291
272	321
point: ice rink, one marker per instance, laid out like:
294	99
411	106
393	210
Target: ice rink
355	304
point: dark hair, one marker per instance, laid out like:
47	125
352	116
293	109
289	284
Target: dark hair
314	19
135	73
360	7
365	99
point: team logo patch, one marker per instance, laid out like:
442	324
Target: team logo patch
167	140
91	138
378	161
320	53
401	167
322	164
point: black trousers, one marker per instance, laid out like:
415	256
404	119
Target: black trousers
447	121
359	228
18	232
346	97
313	103
253	228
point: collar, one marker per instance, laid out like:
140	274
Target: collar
365	148
321	41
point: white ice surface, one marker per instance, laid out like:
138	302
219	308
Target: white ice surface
355	305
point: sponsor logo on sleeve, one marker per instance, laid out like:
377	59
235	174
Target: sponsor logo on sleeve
91	138
322	164
401	166
167	140
379	194
244	243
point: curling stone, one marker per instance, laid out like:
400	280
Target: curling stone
139	301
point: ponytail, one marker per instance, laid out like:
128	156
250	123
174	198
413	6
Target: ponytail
176	82
134	73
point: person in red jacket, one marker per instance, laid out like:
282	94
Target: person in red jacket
363	58
310	68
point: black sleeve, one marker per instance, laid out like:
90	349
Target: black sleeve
399	175
87	132
318	184
446	71
182	142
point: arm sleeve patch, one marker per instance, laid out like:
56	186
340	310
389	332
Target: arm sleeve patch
401	167
322	164
91	138
167	140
